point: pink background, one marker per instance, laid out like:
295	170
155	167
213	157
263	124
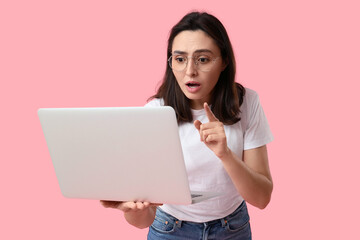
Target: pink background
302	57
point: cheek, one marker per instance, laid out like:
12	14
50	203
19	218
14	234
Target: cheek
213	78
178	77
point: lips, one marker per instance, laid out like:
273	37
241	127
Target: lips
193	86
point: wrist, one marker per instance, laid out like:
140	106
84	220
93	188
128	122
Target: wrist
140	219
224	156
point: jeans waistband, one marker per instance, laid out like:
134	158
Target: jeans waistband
223	220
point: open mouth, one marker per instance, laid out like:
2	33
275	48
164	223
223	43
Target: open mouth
193	85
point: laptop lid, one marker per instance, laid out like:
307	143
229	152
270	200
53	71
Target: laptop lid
120	154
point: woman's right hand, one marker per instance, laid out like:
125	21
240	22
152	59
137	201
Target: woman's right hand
138	214
128	206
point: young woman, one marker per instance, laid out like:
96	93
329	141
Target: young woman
223	133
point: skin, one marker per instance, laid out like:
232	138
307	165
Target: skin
138	214
250	175
189	43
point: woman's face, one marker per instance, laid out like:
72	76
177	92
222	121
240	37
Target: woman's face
197	85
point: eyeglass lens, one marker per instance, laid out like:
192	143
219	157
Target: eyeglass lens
179	63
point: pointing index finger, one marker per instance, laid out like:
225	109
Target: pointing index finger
209	113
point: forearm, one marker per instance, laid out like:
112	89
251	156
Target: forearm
254	187
141	219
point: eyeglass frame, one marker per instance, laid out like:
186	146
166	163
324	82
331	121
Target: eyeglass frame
196	63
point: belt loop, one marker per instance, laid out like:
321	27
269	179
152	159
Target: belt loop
178	223
223	222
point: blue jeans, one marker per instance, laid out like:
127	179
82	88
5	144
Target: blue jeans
235	226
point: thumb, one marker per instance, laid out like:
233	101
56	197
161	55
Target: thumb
197	124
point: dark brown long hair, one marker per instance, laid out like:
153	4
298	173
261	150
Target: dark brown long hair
227	96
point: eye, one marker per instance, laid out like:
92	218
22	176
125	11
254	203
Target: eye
180	59
203	60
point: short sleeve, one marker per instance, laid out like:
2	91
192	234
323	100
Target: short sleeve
257	130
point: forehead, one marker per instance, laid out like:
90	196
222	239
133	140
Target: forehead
190	41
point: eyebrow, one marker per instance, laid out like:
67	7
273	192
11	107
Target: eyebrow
196	51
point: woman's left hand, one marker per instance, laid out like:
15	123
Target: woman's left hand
212	133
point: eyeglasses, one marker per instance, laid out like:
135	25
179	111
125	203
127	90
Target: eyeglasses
202	62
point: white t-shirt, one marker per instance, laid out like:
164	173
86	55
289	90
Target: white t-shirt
205	170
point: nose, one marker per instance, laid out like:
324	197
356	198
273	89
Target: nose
190	67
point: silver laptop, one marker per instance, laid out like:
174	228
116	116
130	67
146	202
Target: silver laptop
120	154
